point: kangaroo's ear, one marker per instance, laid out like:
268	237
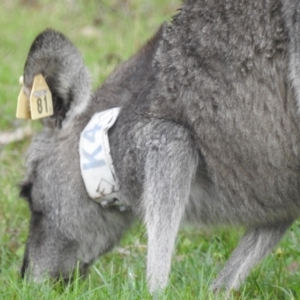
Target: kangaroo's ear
58	60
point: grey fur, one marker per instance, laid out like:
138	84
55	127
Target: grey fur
208	133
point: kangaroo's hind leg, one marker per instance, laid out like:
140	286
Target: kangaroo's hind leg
254	245
169	170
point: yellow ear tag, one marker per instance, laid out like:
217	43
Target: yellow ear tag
23	111
41	104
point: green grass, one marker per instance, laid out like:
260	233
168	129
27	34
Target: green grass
108	32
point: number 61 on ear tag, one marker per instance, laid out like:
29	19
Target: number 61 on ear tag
41	105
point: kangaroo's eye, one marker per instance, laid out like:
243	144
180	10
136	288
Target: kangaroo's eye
25	191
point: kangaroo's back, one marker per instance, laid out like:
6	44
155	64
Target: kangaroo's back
223	73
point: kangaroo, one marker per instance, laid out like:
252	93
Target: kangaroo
207	133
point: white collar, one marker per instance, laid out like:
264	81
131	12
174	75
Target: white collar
96	163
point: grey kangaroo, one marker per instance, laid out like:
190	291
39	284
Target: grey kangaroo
208	133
